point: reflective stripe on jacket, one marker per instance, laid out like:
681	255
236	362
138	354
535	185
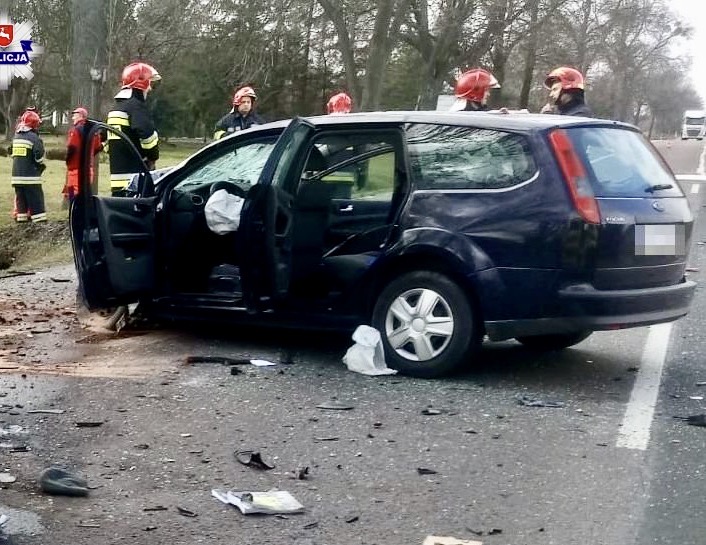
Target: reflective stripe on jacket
27	158
130	116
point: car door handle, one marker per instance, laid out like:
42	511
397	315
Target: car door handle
348	208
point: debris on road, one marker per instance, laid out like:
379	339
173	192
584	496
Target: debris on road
83	524
56	279
186	512
262	363
432	412
528	401
223	360
46	411
696	398
692	269
310	525
59	482
367	355
252	458
354	518
13	429
426	471
334	407
6	478
323	439
274	502
300	474
155	508
89	424
445	540
694	420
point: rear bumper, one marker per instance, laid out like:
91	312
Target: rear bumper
586	308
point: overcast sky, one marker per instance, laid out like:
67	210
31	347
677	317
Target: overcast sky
694	13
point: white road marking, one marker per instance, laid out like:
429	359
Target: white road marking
635	430
695	188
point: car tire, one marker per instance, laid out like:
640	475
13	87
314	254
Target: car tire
557	341
410	346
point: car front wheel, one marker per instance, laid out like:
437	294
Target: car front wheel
427	324
554	342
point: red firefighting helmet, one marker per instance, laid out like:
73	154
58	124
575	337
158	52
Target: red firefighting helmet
570	78
244	92
473	84
139	75
30	119
340	103
81	111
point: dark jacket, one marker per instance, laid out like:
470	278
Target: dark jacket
472	106
577	106
235	121
131	116
27	158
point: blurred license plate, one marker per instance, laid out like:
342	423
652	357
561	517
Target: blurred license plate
660	240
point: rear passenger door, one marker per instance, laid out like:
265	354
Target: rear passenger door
364	174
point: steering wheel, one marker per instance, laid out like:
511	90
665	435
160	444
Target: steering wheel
230	187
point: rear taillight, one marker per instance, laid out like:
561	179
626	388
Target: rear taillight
575	176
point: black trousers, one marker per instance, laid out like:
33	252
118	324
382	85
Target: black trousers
30	203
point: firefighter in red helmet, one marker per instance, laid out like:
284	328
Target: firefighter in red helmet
339	103
473	90
566	92
74	139
241	116
131	116
27	167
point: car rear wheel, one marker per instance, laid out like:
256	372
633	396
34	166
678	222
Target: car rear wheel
554	342
427	324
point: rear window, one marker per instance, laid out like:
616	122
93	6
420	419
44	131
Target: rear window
447	157
622	163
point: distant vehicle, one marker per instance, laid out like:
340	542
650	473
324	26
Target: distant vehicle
693	124
436	228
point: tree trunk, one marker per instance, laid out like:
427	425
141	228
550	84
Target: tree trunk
530	56
335	15
88	60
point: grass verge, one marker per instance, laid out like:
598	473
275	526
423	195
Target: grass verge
30	246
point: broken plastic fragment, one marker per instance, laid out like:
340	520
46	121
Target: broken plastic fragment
533	402
252	458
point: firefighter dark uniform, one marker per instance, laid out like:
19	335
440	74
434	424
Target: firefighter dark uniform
242	116
27	167
131	116
234	122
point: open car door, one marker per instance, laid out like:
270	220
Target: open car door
267	220
113	237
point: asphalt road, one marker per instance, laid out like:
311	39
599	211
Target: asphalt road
505	473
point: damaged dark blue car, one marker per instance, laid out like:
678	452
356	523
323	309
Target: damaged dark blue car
436	228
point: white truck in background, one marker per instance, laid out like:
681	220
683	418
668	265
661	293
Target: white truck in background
693	124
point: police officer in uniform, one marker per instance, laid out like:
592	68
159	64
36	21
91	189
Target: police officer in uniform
27	167
242	116
131	116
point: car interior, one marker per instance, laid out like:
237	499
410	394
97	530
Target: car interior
347	192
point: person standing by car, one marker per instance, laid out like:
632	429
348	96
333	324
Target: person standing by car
242	116
27	167
566	93
339	103
473	90
74	139
131	116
